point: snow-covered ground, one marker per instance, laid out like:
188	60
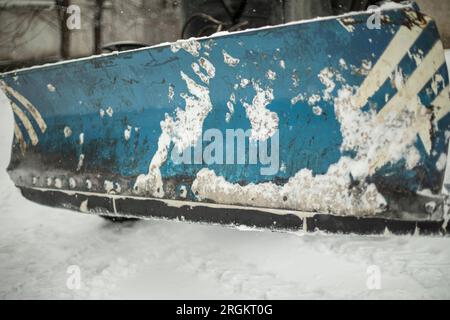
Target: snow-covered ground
167	259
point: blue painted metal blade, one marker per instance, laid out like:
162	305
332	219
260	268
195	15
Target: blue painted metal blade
352	120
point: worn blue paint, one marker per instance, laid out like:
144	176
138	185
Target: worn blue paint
135	84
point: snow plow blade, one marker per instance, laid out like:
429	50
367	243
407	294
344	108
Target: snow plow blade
332	124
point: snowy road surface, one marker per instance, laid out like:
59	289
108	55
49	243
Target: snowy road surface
166	259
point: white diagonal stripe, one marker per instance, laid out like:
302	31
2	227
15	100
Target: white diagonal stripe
386	64
424	72
442	104
27	104
19	137
407	98
26	123
17	132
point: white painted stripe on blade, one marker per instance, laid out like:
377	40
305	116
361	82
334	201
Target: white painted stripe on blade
424	72
17	132
442	104
386	64
406	98
19	137
26	123
27	105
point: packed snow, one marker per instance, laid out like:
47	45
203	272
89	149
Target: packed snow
40	248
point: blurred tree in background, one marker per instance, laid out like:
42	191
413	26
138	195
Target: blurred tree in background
35	31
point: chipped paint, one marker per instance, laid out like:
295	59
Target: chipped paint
326	77
317	110
313	99
127	133
183	131
171	93
72	183
229	60
244	82
208	67
347	23
109	111
264	123
50	87
297	98
191	46
397	78
271	75
417	57
343	64
230	112
295	78
80	162
199	73
67	132
437	83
